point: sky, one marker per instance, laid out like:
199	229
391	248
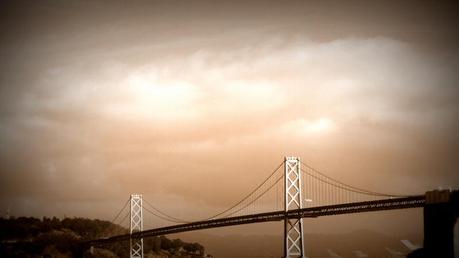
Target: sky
193	103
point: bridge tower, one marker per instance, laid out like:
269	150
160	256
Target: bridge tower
440	215
136	226
293	227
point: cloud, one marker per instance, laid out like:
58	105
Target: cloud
195	114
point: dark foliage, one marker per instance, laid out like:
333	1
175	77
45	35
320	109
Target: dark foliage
48	237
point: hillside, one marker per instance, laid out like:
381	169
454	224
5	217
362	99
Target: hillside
54	238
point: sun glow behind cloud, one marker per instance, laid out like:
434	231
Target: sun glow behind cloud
146	97
319	126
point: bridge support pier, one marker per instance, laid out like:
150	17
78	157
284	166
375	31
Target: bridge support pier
440	215
136	250
293	227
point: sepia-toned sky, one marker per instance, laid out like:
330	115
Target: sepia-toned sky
193	103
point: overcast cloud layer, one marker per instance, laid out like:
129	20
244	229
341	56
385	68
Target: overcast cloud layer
197	112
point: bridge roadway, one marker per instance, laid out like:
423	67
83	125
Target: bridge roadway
312	212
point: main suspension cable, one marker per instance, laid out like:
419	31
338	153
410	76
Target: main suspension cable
118	214
124	218
164	214
247	196
347	186
159	216
258	197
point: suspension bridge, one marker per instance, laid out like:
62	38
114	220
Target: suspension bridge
292	192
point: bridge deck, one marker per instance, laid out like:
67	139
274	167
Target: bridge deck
312	212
